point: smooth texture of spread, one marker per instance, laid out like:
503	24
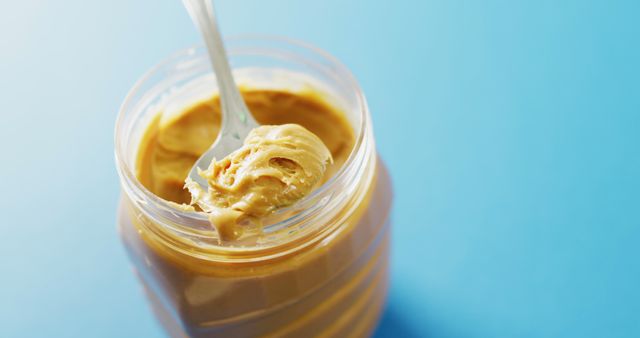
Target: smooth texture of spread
173	142
276	166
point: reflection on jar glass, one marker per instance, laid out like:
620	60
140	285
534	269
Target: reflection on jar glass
319	267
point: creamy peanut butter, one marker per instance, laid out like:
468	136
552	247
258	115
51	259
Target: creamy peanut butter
276	167
302	143
332	287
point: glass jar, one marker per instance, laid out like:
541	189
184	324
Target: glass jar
319	269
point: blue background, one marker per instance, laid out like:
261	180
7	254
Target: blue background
511	129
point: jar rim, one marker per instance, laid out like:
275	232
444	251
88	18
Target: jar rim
141	193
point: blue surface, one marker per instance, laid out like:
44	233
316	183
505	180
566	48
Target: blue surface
511	129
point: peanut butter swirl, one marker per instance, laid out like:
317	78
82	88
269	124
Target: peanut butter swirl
277	166
173	141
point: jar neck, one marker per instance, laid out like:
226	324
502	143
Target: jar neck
322	214
291	228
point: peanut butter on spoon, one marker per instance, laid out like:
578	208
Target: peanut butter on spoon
275	167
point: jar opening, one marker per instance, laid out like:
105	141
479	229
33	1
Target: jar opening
248	55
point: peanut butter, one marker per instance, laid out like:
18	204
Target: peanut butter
334	287
276	167
172	144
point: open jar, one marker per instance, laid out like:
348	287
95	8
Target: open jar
318	268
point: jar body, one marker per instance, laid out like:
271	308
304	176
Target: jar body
334	289
322	271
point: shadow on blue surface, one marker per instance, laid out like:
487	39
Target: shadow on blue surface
393	325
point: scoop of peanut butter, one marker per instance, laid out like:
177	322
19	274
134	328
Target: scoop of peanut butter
277	166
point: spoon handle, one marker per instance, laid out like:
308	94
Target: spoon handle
237	113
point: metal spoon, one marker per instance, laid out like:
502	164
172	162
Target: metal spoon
237	120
